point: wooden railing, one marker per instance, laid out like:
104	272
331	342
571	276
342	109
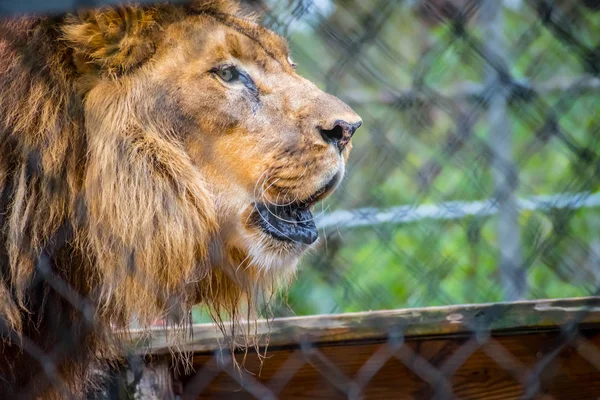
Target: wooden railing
530	349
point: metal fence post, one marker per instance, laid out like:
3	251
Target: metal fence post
505	171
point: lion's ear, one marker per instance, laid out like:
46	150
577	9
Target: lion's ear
111	41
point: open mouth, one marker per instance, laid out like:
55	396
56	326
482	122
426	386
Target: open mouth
288	223
291	222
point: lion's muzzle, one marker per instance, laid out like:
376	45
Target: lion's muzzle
293	221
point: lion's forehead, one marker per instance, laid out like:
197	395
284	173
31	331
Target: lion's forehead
236	38
268	40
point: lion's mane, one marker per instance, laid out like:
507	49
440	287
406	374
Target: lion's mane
97	228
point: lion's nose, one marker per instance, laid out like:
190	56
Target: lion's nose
341	133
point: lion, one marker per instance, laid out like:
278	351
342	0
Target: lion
152	158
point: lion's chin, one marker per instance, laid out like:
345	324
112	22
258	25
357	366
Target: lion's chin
271	255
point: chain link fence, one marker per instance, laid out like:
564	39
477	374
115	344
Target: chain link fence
475	178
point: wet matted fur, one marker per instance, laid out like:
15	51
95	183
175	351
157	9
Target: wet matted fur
137	145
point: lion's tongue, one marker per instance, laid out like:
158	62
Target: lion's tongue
288	223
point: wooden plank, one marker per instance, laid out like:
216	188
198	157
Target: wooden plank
430	321
501	369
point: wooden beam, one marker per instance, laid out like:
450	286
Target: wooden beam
517	366
431	321
521	350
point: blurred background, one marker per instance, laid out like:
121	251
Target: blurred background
476	175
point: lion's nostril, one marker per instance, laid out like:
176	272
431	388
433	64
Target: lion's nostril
340	134
333	135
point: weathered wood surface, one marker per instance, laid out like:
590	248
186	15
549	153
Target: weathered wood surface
430	321
524	350
508	367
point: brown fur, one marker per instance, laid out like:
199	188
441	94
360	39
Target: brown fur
128	171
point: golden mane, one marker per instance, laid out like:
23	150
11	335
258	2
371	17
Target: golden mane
108	211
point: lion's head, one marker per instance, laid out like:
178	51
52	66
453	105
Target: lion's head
156	157
228	148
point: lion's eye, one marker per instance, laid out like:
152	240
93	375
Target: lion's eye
228	74
231	74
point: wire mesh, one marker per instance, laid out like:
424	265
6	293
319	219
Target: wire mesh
475	178
479	152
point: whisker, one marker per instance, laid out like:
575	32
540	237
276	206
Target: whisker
258	181
243	261
276	203
291	222
259	194
266	200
